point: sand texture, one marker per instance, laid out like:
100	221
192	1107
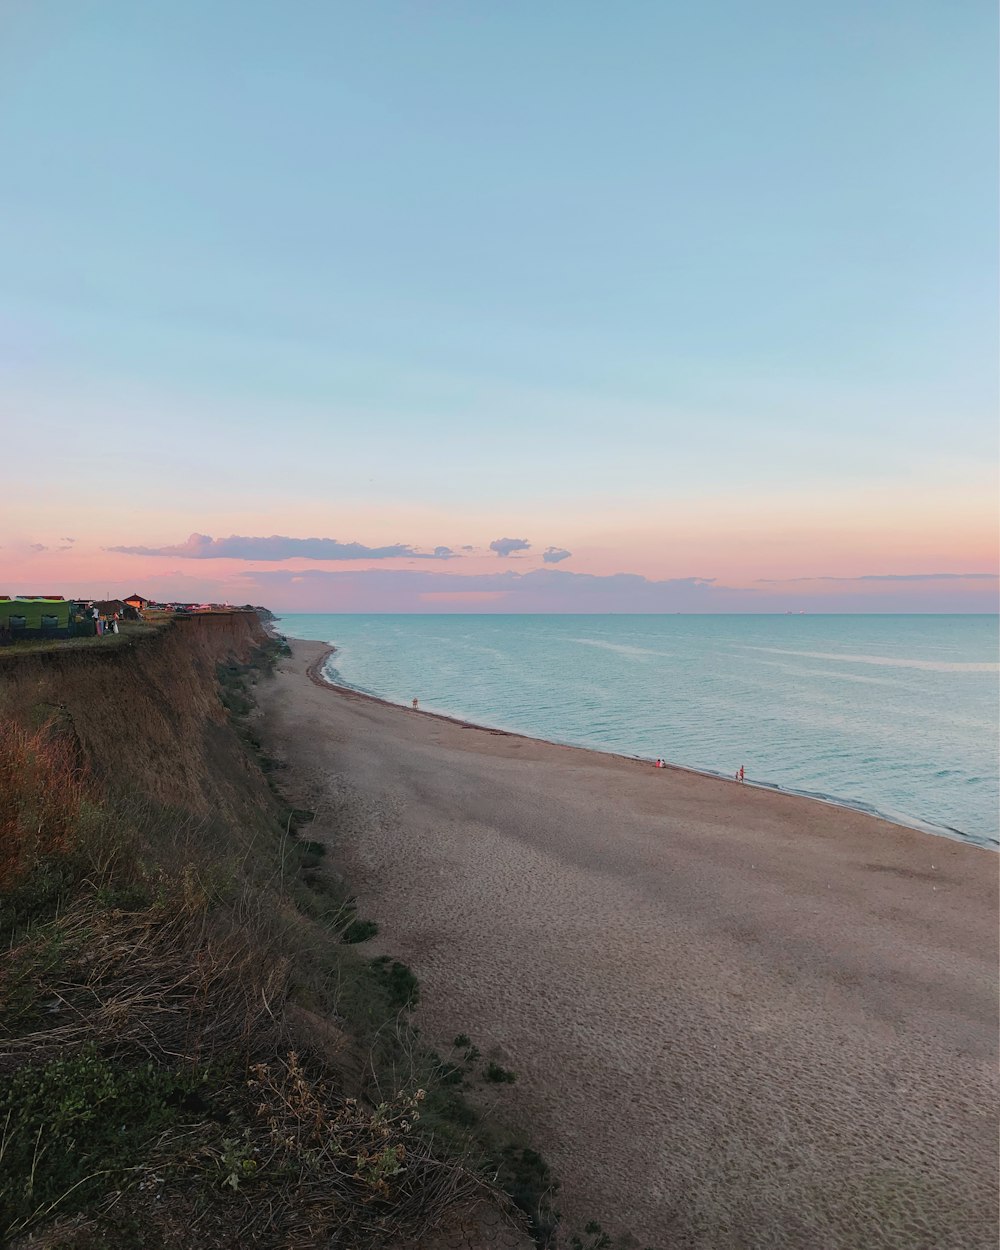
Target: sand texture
738	1018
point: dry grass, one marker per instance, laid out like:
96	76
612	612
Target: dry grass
44	789
176	951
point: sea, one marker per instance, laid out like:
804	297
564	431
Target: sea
895	715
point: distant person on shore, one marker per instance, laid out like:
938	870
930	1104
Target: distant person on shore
741	775
660	763
414	705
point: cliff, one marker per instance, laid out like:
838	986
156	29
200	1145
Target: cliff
146	712
194	1051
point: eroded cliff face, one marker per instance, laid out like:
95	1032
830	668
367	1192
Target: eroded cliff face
145	714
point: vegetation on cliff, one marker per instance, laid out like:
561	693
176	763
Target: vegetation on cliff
190	1052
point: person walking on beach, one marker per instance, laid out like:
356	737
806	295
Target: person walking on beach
741	774
414	705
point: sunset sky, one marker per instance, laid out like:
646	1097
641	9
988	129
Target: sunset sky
559	306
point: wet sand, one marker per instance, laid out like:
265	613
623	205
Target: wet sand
738	1018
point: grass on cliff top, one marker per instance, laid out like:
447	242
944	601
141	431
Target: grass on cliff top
129	631
190	1052
153	622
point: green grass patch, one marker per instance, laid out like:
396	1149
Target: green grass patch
72	1128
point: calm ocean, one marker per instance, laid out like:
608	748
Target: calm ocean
893	714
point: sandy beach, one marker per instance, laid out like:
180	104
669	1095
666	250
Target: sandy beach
738	1018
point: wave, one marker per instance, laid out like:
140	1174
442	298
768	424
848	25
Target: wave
886	661
620	647
829	672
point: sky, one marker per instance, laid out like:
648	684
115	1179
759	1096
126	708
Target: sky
465	306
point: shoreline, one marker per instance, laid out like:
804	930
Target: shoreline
912	824
729	1010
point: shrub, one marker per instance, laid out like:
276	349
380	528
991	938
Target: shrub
526	1177
402	987
359	931
498	1075
597	1238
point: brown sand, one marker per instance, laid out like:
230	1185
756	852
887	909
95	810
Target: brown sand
738	1018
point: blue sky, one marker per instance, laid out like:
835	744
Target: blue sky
434	273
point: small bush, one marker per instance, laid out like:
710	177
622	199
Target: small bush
401	986
526	1177
498	1075
596	1238
442	1073
359	931
471	1053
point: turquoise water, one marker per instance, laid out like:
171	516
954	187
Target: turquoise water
895	714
